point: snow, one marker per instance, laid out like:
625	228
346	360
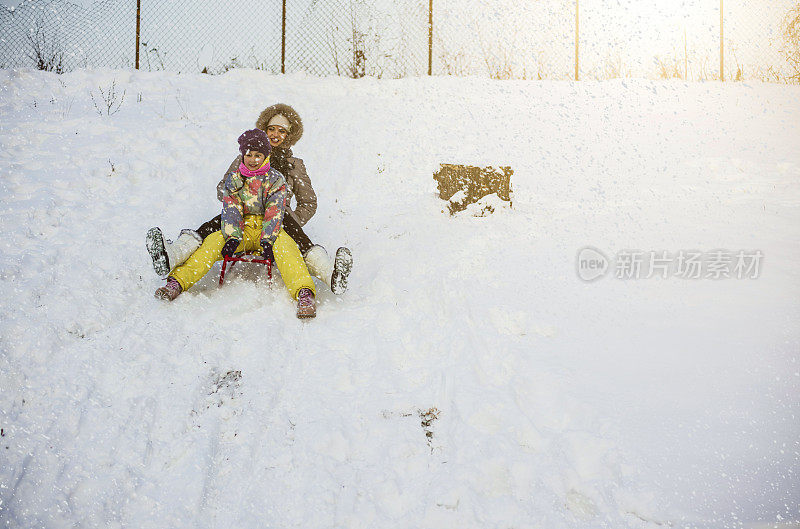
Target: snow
468	378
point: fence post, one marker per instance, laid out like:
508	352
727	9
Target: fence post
721	46
577	40
138	22
283	39
430	37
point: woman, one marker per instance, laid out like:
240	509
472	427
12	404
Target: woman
284	128
253	207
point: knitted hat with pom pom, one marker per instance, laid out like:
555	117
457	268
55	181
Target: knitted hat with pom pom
254	140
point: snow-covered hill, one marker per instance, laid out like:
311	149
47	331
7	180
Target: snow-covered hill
469	378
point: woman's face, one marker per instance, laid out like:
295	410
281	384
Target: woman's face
276	135
253	159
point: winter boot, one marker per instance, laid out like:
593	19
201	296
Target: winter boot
341	269
306	305
169	291
167	255
333	273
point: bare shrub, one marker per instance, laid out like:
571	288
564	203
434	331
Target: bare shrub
251	62
499	64
670	68
356	67
704	71
158	61
615	68
47	51
363	40
736	74
499	60
455	64
510	62
109	104
791	42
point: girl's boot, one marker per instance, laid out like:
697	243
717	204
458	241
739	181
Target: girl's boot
166	254
306	304
333	273
169	291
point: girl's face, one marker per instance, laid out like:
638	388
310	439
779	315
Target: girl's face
253	159
276	135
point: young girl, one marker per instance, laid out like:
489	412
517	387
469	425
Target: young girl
253	204
284	128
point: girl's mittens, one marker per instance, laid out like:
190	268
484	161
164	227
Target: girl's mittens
229	248
266	250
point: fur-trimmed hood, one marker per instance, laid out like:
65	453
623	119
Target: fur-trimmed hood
289	113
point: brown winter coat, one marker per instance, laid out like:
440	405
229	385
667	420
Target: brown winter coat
293	169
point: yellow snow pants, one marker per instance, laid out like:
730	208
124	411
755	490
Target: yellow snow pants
287	257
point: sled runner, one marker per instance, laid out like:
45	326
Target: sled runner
246	257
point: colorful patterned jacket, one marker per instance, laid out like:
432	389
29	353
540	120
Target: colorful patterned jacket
298	184
257	195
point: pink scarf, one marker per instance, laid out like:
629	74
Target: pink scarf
264	169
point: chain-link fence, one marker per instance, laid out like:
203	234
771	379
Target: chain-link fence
754	38
358	38
602	39
541	39
209	35
62	36
521	40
